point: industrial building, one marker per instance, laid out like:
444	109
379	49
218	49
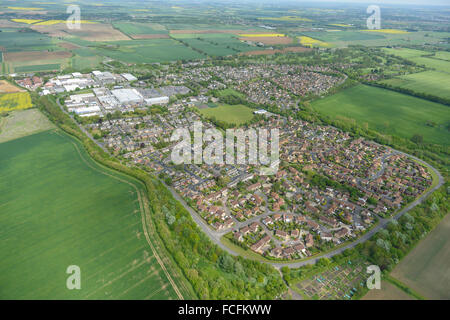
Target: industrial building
127	96
157	100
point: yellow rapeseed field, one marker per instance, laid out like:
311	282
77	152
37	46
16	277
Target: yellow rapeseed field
15	101
391	31
27	21
23	8
52	22
310	42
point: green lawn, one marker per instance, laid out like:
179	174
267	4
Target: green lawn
59	208
389	112
236	114
429	82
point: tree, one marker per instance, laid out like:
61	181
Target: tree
417	138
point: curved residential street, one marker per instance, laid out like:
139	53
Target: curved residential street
215	236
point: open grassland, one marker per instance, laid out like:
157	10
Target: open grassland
429	82
15	101
232	114
390	112
387	292
59	208
425	268
134	28
23	123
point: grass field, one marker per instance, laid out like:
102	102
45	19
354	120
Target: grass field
387	292
236	114
23	123
59	208
437	64
429	82
15	101
425	268
389	112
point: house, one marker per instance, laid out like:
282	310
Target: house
282	234
257	247
309	240
341	233
326	236
254	227
238	236
295	233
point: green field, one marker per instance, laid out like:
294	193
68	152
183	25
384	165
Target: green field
21	123
425	268
437	64
13	40
387	292
59	208
133	28
406	53
37	68
429	82
389	112
236	114
149	51
215	44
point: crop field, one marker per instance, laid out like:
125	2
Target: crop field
39	67
406	52
388	291
425	268
437	64
6	87
22	123
310	42
148	51
13	40
59	208
429	82
132	28
15	101
389	112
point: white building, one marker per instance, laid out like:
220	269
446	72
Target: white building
157	100
127	96
87	110
129	77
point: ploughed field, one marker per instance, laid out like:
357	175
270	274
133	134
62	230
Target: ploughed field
59	208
